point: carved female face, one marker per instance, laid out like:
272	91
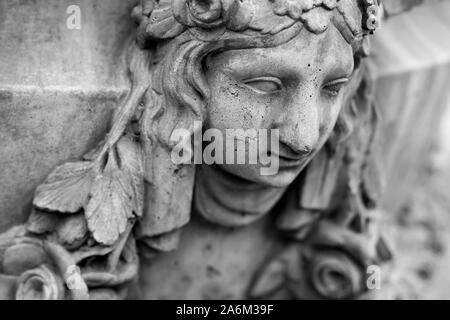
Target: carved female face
295	88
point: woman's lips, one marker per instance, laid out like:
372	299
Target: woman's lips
290	158
288	152
288	162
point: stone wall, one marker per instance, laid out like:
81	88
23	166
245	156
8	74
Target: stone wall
58	89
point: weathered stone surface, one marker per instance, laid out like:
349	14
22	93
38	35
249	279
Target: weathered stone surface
58	89
62	85
411	65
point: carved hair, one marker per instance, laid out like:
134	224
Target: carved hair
131	176
178	35
166	68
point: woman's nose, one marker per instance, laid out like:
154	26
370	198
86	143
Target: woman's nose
299	124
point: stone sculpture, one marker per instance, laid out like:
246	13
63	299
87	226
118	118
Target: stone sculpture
292	65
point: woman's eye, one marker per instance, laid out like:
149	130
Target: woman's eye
264	84
335	87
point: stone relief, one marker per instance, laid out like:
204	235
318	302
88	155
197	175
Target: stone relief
296	66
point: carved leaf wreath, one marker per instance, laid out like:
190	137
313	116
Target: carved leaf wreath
109	189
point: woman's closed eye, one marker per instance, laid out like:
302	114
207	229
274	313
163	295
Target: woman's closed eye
264	85
334	87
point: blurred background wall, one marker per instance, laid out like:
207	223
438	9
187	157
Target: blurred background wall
411	63
58	89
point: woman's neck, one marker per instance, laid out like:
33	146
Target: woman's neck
231	201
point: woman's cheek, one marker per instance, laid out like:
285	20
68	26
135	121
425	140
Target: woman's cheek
238	108
330	114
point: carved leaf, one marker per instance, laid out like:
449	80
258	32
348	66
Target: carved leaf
280	270
117	193
109	208
131	156
72	231
269	281
42	222
66	189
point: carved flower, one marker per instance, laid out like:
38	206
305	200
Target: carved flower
33	269
309	273
336	256
39	284
210	14
18	255
26	261
335	276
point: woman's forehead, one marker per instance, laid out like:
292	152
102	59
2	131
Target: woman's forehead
328	48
